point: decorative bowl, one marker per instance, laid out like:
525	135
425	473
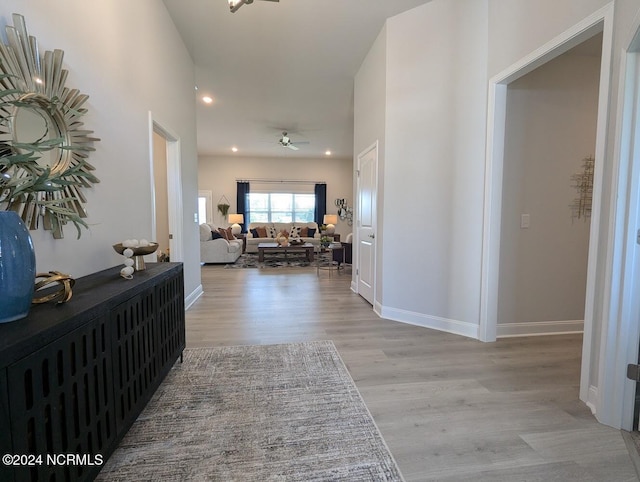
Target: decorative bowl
138	253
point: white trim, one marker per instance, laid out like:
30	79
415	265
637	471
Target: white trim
540	328
377	309
621	306
463	328
191	298
592	396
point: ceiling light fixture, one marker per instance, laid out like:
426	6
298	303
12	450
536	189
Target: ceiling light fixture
234	149
327	153
234	5
207	100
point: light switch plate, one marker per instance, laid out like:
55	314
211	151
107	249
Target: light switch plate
525	221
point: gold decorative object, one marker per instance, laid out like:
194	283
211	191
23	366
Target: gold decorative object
583	183
62	294
43	144
138	253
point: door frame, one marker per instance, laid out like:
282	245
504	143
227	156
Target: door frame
621	336
599	21
174	187
355	285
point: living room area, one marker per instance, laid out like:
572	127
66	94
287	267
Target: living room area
282	191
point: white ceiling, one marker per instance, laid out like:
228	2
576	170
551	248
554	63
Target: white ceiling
279	66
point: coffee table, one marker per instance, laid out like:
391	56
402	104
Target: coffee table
307	248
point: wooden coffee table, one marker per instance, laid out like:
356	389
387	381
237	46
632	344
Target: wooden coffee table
307	248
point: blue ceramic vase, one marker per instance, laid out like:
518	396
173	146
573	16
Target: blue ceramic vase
17	267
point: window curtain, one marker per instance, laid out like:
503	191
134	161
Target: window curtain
242	203
321	202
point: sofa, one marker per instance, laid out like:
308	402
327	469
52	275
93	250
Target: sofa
253	241
218	250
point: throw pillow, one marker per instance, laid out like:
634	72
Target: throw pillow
215	235
254	233
304	232
230	235
271	232
262	232
311	232
223	233
295	232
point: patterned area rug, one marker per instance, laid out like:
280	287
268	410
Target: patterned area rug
278	260
255	413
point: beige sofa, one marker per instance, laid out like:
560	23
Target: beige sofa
252	241
217	250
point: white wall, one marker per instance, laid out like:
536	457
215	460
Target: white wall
128	57
219	175
434	157
518	27
551	128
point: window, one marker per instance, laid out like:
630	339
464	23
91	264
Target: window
278	207
205	211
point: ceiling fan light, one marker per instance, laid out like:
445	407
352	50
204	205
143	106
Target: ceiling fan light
234	5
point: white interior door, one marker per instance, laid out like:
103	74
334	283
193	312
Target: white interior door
366	222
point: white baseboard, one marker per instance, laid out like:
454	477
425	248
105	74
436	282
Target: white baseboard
592	398
456	327
191	298
540	328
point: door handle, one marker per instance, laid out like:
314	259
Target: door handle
372	236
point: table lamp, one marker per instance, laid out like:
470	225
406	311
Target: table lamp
330	220
236	220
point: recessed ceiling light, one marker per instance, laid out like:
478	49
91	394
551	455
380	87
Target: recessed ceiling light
207	100
38	80
234	149
327	153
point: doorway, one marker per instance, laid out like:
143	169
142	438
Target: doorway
166	189
600	21
548	167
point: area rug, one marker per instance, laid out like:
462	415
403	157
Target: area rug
278	260
255	413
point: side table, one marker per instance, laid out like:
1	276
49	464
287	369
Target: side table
243	237
333	265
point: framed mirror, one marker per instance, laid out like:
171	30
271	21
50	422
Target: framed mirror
44	147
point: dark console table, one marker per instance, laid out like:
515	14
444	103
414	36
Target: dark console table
74	377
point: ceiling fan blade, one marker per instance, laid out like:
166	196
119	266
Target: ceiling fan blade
270	0
297	143
292	147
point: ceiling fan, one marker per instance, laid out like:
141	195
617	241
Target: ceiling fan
234	5
285	141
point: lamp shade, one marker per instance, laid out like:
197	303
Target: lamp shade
236	219
330	219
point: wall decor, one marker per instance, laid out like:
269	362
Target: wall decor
43	144
344	211
583	183
223	205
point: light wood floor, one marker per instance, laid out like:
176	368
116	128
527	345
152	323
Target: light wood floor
449	408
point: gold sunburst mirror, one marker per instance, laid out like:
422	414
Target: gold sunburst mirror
44	146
